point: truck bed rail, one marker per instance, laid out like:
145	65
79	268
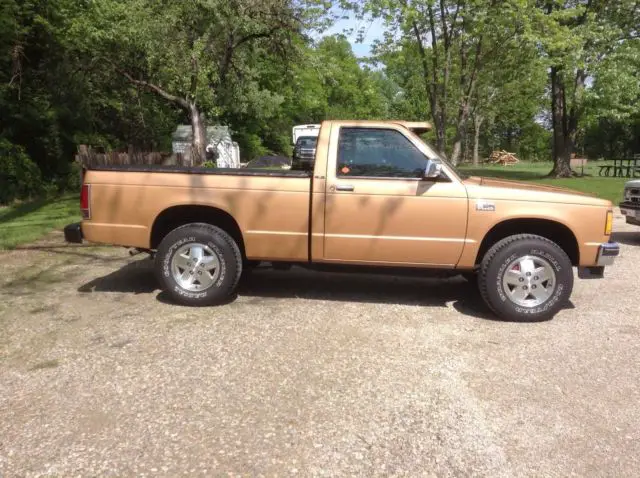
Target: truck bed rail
151	168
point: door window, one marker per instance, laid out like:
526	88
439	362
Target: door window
374	152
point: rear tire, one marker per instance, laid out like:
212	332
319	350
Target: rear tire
526	278
198	265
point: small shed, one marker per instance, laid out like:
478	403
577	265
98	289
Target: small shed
219	141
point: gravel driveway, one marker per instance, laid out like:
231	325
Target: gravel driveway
308	373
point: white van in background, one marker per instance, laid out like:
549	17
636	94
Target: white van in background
305	138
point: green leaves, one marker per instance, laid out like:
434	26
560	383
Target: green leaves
252	64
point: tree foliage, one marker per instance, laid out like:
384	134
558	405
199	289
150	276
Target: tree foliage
543	78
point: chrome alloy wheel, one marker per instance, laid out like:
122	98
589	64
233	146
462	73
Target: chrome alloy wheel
529	281
195	267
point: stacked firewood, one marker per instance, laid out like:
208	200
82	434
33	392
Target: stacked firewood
503	157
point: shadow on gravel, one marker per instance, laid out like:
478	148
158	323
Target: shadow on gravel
71	250
136	277
368	288
627	237
59	247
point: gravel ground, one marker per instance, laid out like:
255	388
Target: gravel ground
310	374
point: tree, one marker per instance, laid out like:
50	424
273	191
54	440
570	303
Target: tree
509	96
192	54
453	42
51	101
577	36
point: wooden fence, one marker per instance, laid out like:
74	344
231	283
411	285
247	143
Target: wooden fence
88	157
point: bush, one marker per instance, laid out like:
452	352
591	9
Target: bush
70	179
20	177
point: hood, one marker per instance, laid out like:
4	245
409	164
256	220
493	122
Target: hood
523	186
633	184
488	188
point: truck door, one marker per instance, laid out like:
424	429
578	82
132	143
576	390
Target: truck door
380	210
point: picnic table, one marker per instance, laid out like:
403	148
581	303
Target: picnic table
622	168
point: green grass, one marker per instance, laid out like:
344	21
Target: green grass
29	221
606	188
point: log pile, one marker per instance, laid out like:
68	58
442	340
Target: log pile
503	158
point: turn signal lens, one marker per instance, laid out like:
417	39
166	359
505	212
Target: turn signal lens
609	224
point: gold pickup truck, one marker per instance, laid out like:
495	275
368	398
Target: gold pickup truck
378	197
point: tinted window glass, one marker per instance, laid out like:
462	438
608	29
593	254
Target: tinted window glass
382	153
307	142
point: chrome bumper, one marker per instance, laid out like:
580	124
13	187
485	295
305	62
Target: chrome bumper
631	212
607	253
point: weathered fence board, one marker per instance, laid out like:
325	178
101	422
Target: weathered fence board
88	157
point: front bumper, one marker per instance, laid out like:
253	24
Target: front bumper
631	211
607	254
73	233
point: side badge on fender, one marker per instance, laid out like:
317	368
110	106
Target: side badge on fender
484	205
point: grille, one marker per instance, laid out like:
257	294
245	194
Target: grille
632	195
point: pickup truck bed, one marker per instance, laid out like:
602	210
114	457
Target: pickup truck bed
265	203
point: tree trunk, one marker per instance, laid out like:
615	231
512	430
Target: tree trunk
565	121
461	131
465	147
477	123
431	87
441	138
199	144
562	143
457	148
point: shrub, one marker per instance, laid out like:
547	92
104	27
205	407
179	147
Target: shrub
20	177
69	179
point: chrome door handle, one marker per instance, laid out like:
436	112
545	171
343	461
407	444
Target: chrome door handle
344	187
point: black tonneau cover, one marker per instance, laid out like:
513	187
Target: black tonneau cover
152	168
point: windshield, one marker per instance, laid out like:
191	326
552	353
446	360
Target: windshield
435	154
307	142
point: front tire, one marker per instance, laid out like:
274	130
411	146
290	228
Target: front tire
198	265
526	278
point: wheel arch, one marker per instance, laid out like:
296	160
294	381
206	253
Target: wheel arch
177	216
553	230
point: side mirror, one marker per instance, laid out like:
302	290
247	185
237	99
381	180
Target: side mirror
432	170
